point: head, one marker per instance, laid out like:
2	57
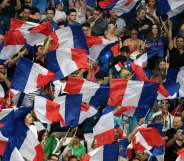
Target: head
162	65
151	3
42	135
179	134
50	13
26	13
54	157
3	69
125	51
164	105
111	27
141	13
75	141
180	42
28	2
97	12
134	34
28	119
77	4
177	122
86	29
126	74
72	15
182	30
155	30
72	158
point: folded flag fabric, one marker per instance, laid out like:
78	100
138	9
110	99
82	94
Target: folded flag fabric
104	153
104	129
123	148
6	128
69	37
147	138
29	77
171	8
86	111
177	75
64	109
2	93
13	42
92	93
180	155
132	93
66	61
33	33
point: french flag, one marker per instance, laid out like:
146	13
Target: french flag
104	129
86	111
2	93
107	152
130	93
64	109
177	75
33	33
69	37
146	139
118	6
6	128
66	61
92	93
13	42
171	8
180	155
29	77
123	148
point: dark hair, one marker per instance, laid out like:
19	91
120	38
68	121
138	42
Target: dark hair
70	11
125	49
178	37
72	157
55	155
40	134
50	8
26	7
140	9
98	9
86	24
150	35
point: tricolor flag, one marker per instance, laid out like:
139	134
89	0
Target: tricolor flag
171	8
92	93
33	33
29	77
13	42
69	37
146	139
86	111
104	129
6	128
180	155
177	75
123	148
2	93
132	94
104	153
66	61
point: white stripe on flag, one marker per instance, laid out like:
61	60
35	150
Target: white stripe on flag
4	113
16	156
132	93
3	138
97	154
180	79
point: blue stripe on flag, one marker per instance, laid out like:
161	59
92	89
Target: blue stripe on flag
111	152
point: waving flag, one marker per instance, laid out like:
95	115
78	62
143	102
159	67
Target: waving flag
146	139
69	37
86	111
103	131
104	153
13	42
123	148
64	109
177	75
132	93
6	128
171	8
33	33
92	93
2	93
65	62
180	155
29	77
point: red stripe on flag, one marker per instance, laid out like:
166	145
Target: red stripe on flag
105	138
15	24
55	41
106	3
40	155
14	37
52	112
121	110
85	157
42	80
3	145
74	85
117	91
181	152
116	49
162	90
93	40
80	58
84	107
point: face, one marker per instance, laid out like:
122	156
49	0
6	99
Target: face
111	27
2	69
155	30
73	159
86	30
164	106
28	119
50	14
25	14
179	134
72	16
141	15
151	3
77	4
180	43
28	2
76	141
177	122
162	66
96	14
134	34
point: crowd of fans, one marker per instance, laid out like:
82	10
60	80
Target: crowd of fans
135	33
